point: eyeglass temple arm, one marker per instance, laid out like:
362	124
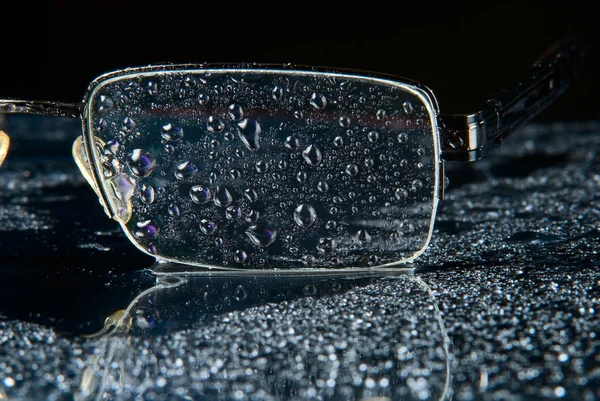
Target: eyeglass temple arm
470	137
42	108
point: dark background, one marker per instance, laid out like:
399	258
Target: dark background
464	51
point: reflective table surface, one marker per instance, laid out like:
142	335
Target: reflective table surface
502	305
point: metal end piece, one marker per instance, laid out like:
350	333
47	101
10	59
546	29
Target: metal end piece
81	159
4	144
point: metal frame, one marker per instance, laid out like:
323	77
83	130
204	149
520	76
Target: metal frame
469	137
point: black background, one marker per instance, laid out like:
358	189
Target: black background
464	51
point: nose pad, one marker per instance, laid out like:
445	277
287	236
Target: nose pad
82	161
4	144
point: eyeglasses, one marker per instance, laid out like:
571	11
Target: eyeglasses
272	167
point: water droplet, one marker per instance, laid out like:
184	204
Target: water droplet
128	124
371	178
218	241
141	162
325	245
185	170
147	194
406	228
111	147
253	216
152	88
373	259
251	194
173	210
170	149
146	229
233	213
416	185
101	126
322	186
344	122
240	293
369	162
318	101
380	114
402	137
152	248
249	131
305	215
352	169
235	112
240	256
203	99
401	194
298	114
331	225
312	155
200	195
261	235
373	136
171	133
277	93
408	107
363	236
420	151
301	176
291	142
338	141
223	197
104	103
282	164
235	174
208	227
308	260
262	166
214	124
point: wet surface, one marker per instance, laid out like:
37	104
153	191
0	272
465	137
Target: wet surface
502	305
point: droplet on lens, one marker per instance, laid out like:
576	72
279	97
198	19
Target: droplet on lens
251	194
223	197
261	235
214	124
352	169
401	194
402	137
141	162
305	215
312	155
208	227
322	186
128	124
147	229
373	136
171	133
235	112
147	194
318	101
325	245
363	236
249	131
416	185
344	122
200	195
185	170
104	103
291	142
408	107
240	256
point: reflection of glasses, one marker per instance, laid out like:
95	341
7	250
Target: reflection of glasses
262	167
